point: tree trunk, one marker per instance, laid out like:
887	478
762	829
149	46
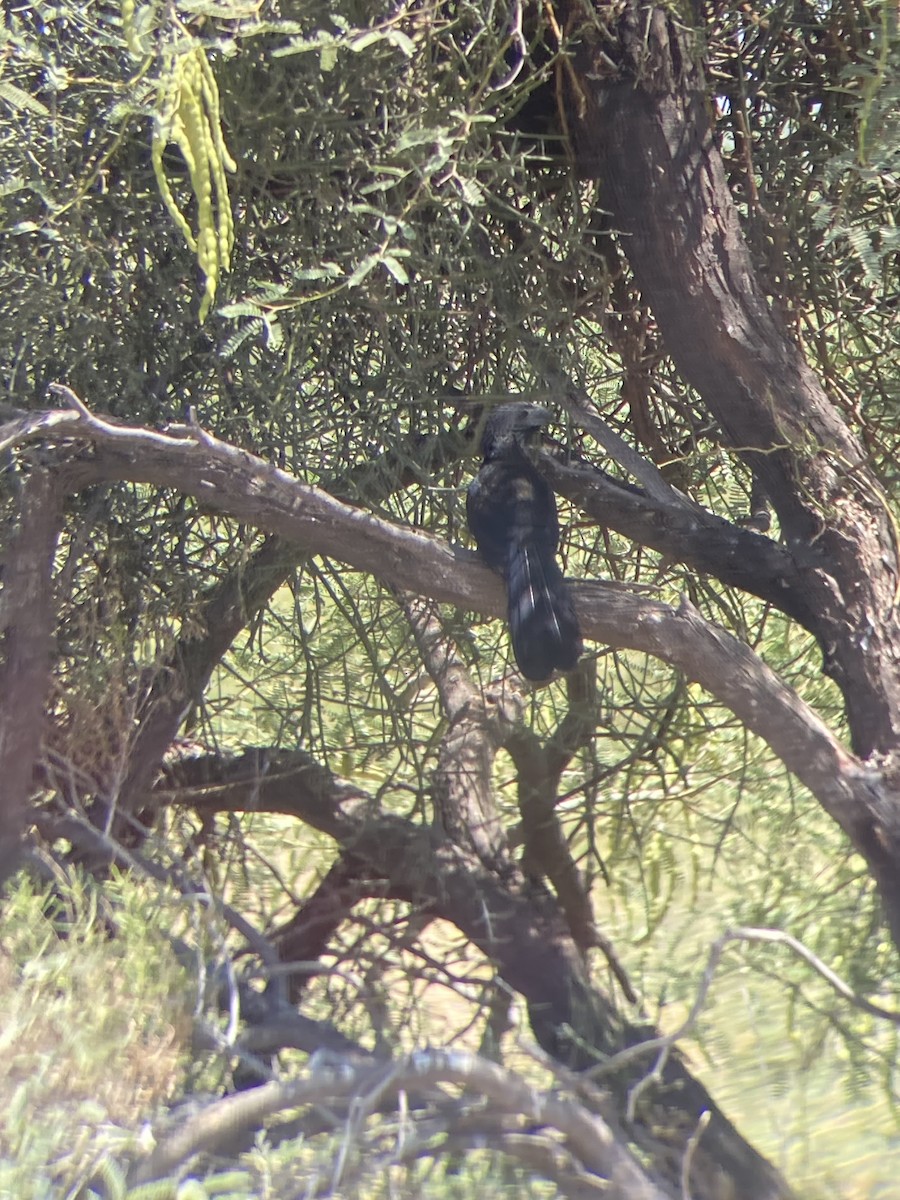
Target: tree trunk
525	934
26	641
644	131
639	116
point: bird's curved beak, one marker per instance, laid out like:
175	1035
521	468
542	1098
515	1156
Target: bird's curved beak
539	418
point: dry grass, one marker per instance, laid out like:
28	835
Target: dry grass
93	1037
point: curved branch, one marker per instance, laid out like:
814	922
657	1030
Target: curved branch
527	939
594	1145
241	485
230	604
306	935
245	487
546	851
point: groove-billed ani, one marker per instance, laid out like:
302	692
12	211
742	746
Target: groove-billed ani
512	514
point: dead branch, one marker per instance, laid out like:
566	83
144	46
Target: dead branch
593	1149
529	941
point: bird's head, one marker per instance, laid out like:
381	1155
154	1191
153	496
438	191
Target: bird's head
513	428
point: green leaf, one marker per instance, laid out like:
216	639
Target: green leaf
421	137
395	268
368	264
306	45
399	39
325	270
21	100
366	39
472	193
328	57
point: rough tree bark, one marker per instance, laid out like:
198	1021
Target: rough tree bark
27	624
529	938
639	116
229	480
637	110
644	131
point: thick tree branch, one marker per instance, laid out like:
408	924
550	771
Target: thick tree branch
231	604
305	937
639	114
529	941
26	640
240	485
235	482
546	851
695	537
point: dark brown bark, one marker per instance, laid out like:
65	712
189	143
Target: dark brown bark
642	128
545	849
706	543
639	115
306	936
27	626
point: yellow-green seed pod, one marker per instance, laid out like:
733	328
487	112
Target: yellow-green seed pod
190	117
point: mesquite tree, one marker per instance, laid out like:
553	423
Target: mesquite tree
274	267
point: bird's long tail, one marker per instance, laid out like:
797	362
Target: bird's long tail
542	620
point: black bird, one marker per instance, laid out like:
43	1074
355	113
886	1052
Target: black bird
512	515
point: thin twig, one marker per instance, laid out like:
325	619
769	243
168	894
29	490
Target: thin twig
689	1151
664	1044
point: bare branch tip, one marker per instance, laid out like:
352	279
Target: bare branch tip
63	392
196	428
685	607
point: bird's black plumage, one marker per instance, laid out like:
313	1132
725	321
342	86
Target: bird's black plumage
512	515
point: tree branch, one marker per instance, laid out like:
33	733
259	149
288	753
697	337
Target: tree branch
695	537
528	940
477	720
230	604
640	120
590	1141
546	851
237	483
306	935
26	630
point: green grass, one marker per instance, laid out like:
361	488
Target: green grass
94	1032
